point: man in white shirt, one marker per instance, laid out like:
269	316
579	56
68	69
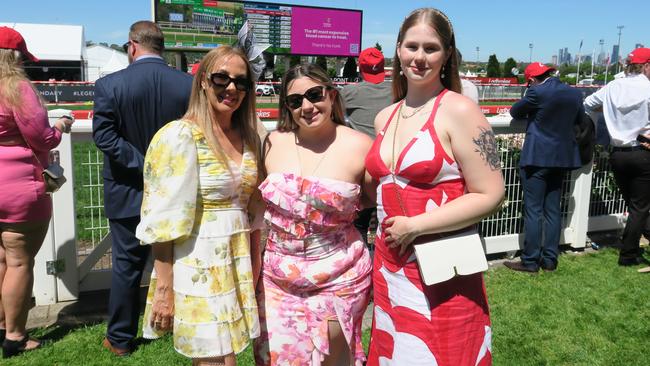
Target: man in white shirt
626	105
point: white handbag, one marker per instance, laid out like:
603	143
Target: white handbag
444	257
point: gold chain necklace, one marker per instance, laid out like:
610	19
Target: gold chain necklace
300	161
414	111
393	163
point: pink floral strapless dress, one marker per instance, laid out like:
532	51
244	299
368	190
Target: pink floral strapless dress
316	268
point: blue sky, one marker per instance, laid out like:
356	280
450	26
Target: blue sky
501	27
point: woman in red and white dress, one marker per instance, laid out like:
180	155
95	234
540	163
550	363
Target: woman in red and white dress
447	175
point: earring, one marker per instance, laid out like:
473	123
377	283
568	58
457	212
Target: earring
401	72
442	73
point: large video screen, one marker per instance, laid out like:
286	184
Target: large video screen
300	30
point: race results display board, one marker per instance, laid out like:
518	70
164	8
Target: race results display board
202	25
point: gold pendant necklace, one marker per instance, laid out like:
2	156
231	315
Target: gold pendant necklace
300	161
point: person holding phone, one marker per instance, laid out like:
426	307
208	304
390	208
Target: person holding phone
26	139
625	103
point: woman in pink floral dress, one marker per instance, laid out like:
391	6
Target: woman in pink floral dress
316	269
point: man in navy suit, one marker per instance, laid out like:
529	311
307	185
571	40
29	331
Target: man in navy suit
550	149
130	106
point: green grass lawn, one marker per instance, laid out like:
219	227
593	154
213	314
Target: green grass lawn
589	312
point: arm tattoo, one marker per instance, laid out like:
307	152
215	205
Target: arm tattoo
487	147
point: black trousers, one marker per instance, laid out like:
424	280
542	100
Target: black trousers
129	261
362	223
632	174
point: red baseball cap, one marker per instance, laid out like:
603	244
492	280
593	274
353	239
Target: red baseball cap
639	56
536	69
371	65
12	40
195	68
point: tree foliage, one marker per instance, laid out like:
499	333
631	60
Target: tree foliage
493	67
321	61
350	69
378	46
508	66
294	60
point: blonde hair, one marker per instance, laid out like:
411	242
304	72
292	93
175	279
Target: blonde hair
441	24
244	118
11	75
318	75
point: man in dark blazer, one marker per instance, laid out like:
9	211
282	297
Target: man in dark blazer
130	106
550	149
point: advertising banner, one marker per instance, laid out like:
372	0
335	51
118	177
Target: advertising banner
201	25
325	32
485	80
66	93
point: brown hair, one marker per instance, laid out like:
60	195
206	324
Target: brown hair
631	69
441	24
199	108
11	75
148	35
319	76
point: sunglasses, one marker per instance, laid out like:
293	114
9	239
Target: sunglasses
314	95
126	45
222	80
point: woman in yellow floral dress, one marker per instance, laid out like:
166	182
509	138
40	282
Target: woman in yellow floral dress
200	179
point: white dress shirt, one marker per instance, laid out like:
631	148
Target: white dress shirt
626	106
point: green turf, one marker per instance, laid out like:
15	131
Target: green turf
589	312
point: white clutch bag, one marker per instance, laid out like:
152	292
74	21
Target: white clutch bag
457	255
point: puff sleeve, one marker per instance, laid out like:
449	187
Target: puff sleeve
171	174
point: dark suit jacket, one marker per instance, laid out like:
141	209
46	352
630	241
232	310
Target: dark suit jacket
130	106
552	108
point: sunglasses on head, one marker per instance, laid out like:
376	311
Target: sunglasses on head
222	80
314	95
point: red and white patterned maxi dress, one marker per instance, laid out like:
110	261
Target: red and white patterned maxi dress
446	324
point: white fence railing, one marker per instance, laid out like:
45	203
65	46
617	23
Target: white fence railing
79	243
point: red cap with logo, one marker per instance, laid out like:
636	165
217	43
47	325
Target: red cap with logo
536	69
371	65
12	40
639	56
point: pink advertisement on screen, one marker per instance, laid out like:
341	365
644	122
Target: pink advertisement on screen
325	31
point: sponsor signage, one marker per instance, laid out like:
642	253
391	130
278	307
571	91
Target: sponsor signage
485	80
66	93
288	29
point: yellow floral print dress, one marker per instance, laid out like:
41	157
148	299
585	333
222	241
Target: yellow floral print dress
193	199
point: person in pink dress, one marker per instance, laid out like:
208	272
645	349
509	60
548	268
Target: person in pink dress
316	268
25	208
438	170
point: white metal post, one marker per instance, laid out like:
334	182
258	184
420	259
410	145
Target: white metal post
63	215
579	205
44	290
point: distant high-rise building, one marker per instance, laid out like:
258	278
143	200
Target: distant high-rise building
614	58
560	56
554	60
602	58
567	56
